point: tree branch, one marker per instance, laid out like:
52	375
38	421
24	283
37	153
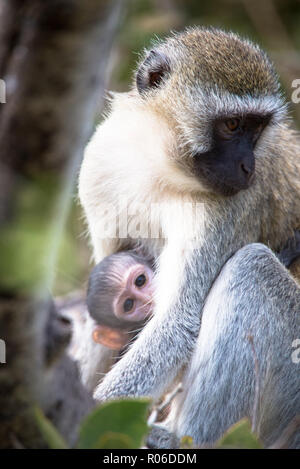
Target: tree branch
53	58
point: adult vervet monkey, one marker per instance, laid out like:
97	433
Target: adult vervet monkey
204	123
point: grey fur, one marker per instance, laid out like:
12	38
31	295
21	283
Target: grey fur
161	438
142	372
255	296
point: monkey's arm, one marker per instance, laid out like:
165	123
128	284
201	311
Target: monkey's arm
167	342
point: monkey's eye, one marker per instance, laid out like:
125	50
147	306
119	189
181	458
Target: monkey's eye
228	128
232	124
140	280
128	305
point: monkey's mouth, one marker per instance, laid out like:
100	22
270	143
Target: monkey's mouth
230	190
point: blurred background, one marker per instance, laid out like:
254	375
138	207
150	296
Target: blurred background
274	24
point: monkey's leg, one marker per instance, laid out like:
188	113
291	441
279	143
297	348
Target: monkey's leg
243	362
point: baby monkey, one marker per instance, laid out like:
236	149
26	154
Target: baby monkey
120	298
121	289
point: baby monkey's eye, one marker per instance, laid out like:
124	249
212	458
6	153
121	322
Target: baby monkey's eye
140	280
128	305
232	124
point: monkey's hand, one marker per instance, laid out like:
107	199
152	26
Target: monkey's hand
142	373
160	438
291	251
128	378
167	341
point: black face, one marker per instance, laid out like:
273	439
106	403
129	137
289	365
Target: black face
229	166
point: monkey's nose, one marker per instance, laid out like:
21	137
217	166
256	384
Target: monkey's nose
247	171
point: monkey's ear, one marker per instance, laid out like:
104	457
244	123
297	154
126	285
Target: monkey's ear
115	339
154	68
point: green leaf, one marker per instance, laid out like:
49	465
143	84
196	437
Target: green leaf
49	432
240	436
116	425
113	440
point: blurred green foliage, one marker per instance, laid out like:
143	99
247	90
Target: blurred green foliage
52	437
25	242
276	29
116	425
123	425
113	425
240	436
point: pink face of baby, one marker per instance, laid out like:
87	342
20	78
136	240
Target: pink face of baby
120	298
135	301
